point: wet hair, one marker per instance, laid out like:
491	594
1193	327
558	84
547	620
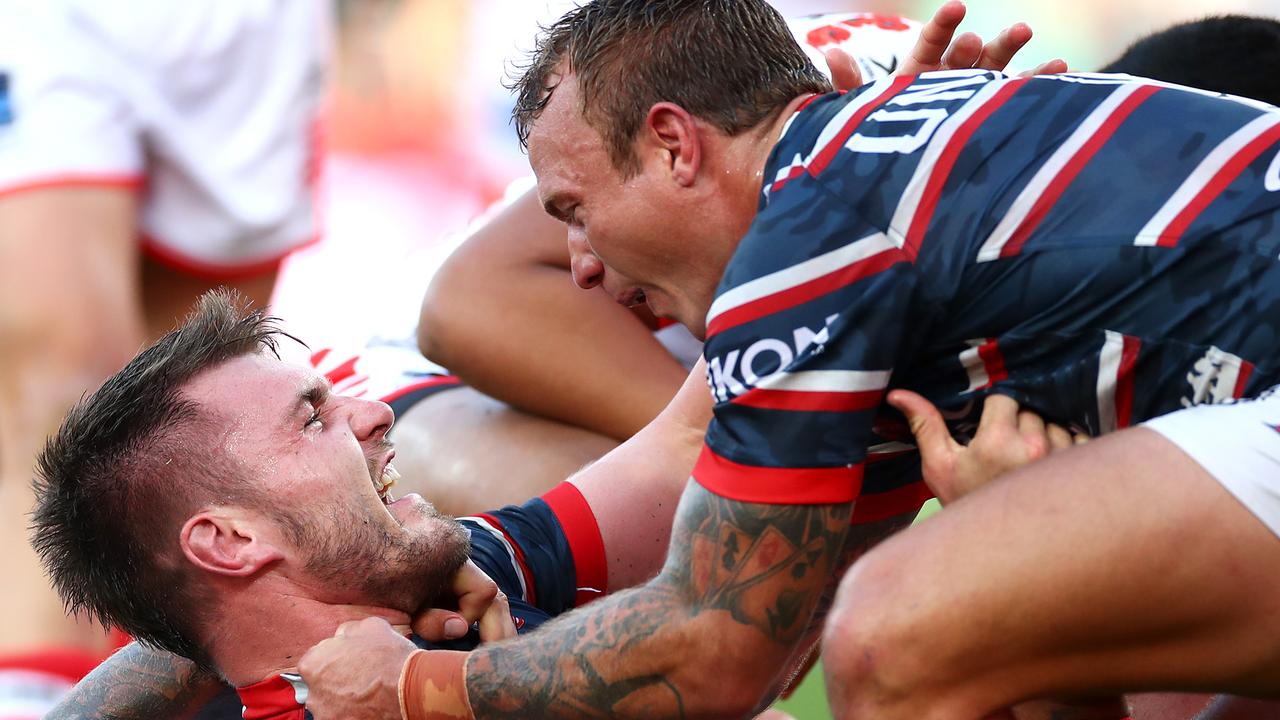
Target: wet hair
1231	54
731	63
116	482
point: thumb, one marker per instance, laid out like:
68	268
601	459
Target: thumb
932	436
437	625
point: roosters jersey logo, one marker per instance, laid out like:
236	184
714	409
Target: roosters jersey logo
737	371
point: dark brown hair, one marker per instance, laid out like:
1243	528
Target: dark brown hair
113	484
731	63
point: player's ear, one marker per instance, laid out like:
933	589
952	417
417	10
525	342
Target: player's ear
670	133
226	542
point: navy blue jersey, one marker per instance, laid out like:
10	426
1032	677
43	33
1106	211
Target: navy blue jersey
546	556
1101	248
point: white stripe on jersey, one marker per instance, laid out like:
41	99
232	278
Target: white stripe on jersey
1108	375
837	124
515	562
843	381
1202	176
799	274
909	203
1048	172
974	366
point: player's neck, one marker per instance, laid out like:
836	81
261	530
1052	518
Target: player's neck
260	635
764	138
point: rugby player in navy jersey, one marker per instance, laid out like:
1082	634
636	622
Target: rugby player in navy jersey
144	683
1060	240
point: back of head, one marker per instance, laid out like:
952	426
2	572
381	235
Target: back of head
731	63
1231	54
114	482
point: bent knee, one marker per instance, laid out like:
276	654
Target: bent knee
877	651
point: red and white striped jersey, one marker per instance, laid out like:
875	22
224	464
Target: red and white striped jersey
1102	248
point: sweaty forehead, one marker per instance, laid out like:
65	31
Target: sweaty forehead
256	380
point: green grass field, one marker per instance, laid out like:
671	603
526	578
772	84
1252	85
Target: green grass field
809	702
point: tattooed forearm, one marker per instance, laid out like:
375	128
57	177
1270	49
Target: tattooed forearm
138	683
741	582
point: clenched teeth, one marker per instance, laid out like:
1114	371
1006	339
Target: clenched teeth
389	477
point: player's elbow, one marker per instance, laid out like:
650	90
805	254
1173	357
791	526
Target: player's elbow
728	670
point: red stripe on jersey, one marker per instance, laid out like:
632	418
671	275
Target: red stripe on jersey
829	152
885	505
272	699
779	486
318	356
1221	180
993	361
1072	169
807	401
437	381
578	523
68	664
523	564
793	172
342	372
1124	381
946	162
1242	380
804	292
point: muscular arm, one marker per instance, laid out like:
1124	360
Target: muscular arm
742	580
504	315
138	683
633	490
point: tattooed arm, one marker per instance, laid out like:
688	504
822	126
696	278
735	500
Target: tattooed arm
138	683
707	637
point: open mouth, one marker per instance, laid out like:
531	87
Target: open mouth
382	484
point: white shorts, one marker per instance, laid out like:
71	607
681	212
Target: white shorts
1238	444
208	107
878	43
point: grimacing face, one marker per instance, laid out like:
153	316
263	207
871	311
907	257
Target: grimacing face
323	461
630	235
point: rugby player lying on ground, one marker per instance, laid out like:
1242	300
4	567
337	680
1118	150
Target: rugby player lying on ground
226	506
957	234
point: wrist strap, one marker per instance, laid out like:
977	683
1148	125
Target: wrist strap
433	686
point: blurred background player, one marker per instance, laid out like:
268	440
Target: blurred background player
145	155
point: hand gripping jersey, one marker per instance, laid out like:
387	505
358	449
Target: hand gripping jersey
545	555
1101	248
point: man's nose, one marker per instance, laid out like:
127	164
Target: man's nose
370	419
588	271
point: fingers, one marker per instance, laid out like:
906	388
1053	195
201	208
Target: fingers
475	591
436	625
997	53
1053	67
935	37
963	53
496	624
932	436
998	411
1034	435
845	74
1059	438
